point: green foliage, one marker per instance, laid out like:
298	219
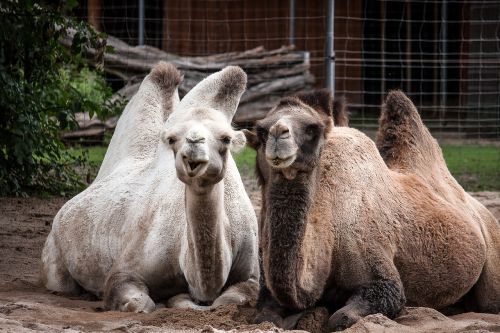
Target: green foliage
43	85
245	160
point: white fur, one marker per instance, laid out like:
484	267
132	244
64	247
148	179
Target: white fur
133	217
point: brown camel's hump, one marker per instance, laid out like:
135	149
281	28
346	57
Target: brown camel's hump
403	140
340	113
406	145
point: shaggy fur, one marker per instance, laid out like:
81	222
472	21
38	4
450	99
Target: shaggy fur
385	231
167	218
340	112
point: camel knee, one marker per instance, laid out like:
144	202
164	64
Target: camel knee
127	292
53	273
380	296
240	293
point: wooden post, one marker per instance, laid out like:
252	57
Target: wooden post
94	13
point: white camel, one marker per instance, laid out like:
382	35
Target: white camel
167	217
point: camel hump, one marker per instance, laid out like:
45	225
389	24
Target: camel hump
221	91
403	140
166	77
399	107
340	112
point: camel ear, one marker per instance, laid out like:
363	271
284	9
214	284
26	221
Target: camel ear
238	141
165	136
252	139
220	91
319	100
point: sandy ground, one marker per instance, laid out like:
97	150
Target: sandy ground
27	307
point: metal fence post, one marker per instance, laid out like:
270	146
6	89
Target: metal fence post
444	33
291	23
329	47
141	23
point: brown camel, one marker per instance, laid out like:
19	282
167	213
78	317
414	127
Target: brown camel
364	231
319	100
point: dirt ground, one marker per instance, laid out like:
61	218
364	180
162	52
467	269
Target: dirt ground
27	307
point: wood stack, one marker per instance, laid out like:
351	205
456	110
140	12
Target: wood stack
271	74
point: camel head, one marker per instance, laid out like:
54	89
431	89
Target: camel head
290	138
199	130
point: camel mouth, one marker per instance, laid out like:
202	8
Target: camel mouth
193	165
281	163
193	168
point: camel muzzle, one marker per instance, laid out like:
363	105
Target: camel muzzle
194	158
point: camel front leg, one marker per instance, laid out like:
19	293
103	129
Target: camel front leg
380	296
268	308
126	291
239	293
271	311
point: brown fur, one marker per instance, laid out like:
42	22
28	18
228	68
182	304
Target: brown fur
320	101
340	112
386	228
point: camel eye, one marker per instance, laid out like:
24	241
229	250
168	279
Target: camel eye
262	134
312	131
226	140
171	140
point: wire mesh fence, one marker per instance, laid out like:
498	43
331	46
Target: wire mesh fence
444	54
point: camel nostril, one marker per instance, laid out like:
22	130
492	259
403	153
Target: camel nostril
280	131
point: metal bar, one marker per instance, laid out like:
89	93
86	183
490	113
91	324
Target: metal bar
444	46
141	23
330	49
382	50
408	47
291	23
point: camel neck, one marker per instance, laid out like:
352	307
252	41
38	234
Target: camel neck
207	251
288	203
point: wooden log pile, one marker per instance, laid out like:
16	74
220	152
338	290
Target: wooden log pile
271	73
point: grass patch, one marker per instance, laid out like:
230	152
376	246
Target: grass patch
245	160
95	153
477	168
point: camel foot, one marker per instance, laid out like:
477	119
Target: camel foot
342	319
269	316
138	302
184	301
287	323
